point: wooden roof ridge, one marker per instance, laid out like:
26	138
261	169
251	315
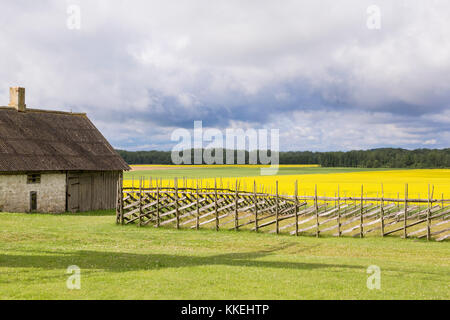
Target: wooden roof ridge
46	111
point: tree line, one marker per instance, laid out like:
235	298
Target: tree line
374	158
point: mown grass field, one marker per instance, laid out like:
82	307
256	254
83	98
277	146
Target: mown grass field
224	171
127	262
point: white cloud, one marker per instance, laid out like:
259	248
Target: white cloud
164	63
430	142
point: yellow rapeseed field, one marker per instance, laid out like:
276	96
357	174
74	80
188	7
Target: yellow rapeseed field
137	166
349	183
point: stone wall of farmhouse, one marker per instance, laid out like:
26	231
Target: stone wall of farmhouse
15	193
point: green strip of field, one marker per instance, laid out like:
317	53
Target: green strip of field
127	262
218	172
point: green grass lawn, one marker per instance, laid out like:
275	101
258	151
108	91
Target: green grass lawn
202	172
128	262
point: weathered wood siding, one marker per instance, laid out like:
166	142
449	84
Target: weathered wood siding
88	191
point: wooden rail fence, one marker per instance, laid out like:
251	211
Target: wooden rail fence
226	208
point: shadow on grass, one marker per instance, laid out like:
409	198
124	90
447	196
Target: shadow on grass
119	261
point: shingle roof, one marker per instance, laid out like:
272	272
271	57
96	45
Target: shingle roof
38	140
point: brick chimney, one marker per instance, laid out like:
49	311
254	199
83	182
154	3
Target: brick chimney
17	98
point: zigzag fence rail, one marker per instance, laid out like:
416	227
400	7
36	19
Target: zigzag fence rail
226	208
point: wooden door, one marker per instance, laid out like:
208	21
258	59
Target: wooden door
86	193
73	194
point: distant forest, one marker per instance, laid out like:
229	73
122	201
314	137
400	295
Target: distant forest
375	158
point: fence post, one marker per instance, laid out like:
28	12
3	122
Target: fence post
277	223
428	216
197	220
339	211
256	205
157	204
405	235
296	207
317	211
361	231
236	198
140	202
215	205
382	210
118	202
176	203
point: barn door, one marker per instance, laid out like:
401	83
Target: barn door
73	194
86	194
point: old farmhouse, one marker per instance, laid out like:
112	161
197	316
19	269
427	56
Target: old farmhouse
52	161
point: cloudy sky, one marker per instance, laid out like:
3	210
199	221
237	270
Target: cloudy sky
312	69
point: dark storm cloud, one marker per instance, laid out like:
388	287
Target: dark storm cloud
312	69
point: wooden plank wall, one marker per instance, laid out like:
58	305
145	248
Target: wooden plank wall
97	190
